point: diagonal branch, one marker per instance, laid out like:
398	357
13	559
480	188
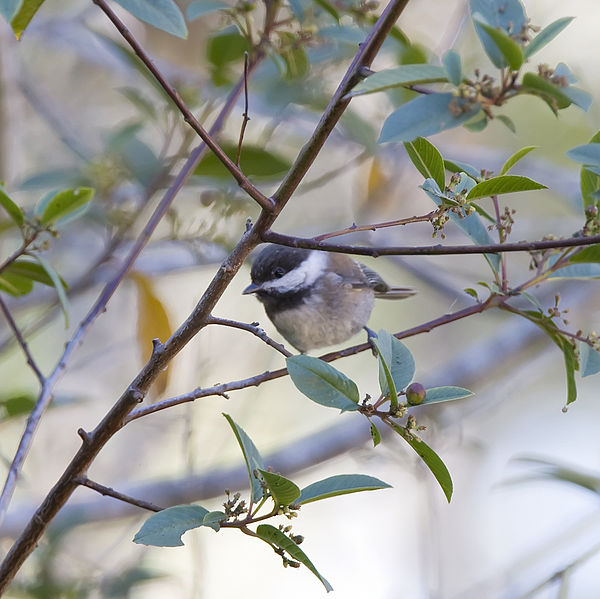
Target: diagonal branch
94	441
207	137
99	306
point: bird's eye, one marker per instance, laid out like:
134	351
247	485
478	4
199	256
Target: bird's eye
279	272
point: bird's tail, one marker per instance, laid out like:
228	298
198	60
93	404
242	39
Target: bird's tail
396	293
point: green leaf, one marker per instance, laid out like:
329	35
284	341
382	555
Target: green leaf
545	36
226	47
399	360
571	365
440	394
213	520
507	46
199	8
15	213
427	160
340	484
453	67
427	115
328	8
65	203
162	14
432	460
283	491
501	185
590	182
164	529
273	536
553	94
58	284
17	404
591	253
26	10
30	270
507	122
589	358
252	457
515	158
404	76
375	434
386	382
254	162
322	383
14	284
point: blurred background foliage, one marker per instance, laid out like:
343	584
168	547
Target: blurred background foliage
78	109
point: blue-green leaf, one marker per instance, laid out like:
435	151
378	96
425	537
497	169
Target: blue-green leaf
577	271
273	536
453	67
440	394
427	160
589	358
399	360
322	383
456	166
213	520
405	75
545	36
8	8
199	8
507	122
503	184
252	457
164	529
340	484
283	491
162	14
588	154
427	115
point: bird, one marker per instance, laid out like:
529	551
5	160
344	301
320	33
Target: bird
317	298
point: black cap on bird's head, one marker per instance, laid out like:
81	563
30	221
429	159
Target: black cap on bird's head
273	264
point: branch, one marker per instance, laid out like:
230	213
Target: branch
255	381
162	354
21	341
90	484
99	307
428	250
251	328
207	137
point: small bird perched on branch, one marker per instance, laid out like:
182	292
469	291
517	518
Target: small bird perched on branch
317	298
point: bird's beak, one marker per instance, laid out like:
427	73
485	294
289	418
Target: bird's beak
252	288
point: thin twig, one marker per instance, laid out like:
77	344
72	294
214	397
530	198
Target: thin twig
243	181
354	228
429	250
246	118
251	328
90	484
21	341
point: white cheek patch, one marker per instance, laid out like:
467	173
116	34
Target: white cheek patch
304	275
